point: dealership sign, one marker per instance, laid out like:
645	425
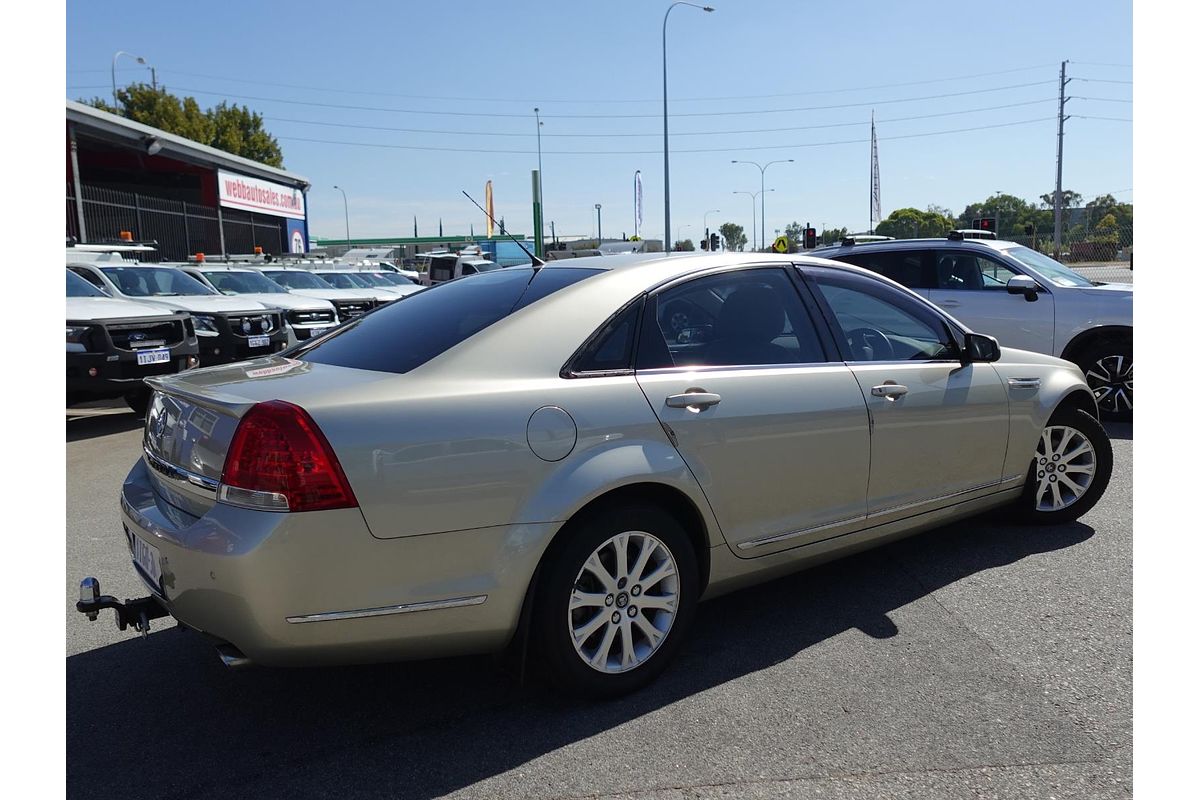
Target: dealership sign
255	194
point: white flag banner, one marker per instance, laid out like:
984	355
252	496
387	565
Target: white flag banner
876	206
637	202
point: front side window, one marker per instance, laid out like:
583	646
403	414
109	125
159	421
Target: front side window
880	323
154	281
743	318
1047	267
971	271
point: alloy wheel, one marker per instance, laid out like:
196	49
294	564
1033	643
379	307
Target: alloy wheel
1066	465
624	602
1111	379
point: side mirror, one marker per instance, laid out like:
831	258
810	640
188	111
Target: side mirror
1023	284
979	347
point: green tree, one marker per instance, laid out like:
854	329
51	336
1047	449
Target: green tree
794	231
232	128
833	235
1012	215
686	244
1070	199
912	223
734	235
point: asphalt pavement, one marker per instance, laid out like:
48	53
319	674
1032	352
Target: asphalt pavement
981	659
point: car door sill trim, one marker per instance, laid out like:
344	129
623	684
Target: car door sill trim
873	515
382	611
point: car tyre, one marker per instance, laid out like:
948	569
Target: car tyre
1108	368
1069	472
606	626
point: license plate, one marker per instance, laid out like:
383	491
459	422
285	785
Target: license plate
153	356
260	341
315	332
145	555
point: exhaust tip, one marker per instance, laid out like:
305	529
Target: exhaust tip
232	657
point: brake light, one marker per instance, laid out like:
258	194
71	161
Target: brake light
280	461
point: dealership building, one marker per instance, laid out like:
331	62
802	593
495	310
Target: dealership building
128	180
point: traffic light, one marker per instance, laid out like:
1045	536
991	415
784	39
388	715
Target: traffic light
810	238
704	244
714	242
984	224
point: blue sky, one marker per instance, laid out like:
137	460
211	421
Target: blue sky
470	73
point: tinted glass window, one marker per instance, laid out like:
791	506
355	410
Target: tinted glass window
1047	266
904	267
243	283
403	336
879	323
971	271
742	318
297	280
154	281
611	348
344	280
78	287
89	276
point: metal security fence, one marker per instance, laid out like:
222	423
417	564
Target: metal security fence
180	228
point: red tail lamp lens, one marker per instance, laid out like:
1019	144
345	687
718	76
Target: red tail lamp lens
278	449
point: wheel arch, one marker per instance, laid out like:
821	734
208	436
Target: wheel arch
1080	399
1085	339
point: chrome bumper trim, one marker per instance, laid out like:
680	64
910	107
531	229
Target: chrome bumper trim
784	536
175	473
384	611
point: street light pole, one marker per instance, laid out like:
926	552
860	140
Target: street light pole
666	145
762	172
140	60
346	206
541	233
599	233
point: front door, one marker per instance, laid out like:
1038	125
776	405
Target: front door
775	432
939	427
972	288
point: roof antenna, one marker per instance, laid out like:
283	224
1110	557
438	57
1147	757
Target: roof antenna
537	262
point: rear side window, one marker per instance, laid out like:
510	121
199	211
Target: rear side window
611	348
908	268
402	336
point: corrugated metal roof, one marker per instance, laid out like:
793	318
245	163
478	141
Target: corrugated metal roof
86	116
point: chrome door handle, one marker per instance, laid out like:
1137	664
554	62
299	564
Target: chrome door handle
1024	383
697	401
889	391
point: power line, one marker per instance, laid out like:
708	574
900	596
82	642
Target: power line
1101	99
453	98
652	152
1099	80
349	107
1114	119
1101	64
634	135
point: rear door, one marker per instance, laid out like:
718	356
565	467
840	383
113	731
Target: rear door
775	432
972	287
939	427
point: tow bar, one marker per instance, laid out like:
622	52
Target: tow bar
134	614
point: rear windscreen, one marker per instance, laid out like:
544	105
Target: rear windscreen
402	336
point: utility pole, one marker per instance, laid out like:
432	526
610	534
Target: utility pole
1062	103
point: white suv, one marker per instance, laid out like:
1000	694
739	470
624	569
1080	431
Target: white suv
1025	299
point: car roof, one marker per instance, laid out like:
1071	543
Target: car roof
924	244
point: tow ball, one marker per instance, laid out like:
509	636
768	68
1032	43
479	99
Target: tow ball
134	614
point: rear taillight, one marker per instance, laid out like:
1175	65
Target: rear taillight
280	461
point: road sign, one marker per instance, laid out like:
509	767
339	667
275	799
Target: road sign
782	245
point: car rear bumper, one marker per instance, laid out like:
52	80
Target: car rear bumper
317	588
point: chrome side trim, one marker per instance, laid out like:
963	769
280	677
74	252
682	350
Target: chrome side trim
1024	383
804	531
169	470
383	611
785	536
884	511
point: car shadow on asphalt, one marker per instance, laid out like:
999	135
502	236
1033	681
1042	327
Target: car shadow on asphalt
82	425
1119	430
161	718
